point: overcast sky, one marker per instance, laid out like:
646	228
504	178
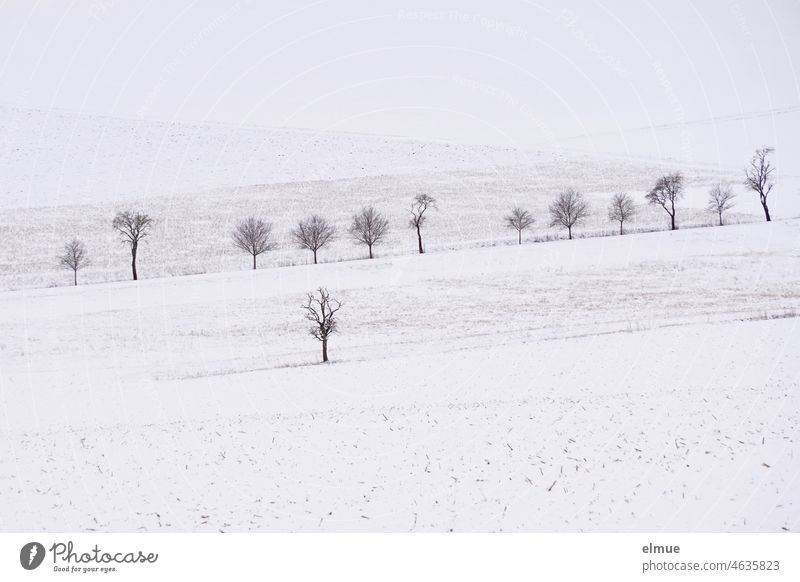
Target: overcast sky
513	73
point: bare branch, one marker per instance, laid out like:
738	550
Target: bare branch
133	227
720	199
420	205
369	227
667	191
758	177
313	233
74	257
621	209
253	236
321	309
568	210
519	220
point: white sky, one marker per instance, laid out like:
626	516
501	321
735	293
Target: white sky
513	72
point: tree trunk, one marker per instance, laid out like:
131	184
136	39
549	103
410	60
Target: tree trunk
370	251
672	215
254	262
75	273
569	232
766	209
720	218
315	257
519	232
419	241
620	227
133	263
324	350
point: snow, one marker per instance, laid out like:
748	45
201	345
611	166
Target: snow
648	382
57	158
65	175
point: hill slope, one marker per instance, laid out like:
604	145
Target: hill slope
65	175
647	382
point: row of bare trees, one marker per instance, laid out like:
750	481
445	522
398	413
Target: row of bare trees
669	190
570	208
370	227
567	210
254	236
759	177
133	228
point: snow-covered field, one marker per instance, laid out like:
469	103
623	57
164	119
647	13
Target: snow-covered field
64	175
646	382
61	158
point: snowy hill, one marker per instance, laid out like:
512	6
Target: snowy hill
647	382
65	175
62	158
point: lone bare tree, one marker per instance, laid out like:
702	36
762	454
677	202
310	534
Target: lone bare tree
369	227
621	209
720	199
313	233
74	257
758	177
321	311
133	227
420	205
568	210
254	236
667	191
519	220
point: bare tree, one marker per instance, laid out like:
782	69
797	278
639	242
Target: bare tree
369	227
313	233
321	310
519	220
621	209
133	227
254	236
758	177
74	257
420	205
720	199
568	210
667	191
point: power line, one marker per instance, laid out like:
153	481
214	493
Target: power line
695	122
